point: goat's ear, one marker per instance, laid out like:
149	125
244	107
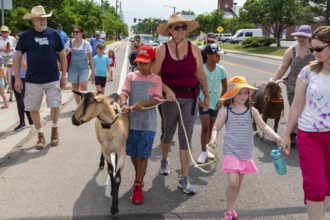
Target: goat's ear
99	98
77	93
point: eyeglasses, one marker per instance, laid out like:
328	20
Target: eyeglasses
210	42
75	32
318	49
183	27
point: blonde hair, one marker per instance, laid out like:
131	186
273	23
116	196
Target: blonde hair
322	34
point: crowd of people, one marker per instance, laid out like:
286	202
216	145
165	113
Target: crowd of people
187	81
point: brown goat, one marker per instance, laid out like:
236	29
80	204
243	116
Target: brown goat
111	128
269	102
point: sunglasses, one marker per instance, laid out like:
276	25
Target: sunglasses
210	42
318	49
4	31
75	32
183	27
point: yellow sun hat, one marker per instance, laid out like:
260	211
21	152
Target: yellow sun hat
235	84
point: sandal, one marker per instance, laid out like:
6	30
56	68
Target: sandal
4	106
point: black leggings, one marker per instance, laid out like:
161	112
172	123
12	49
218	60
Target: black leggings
20	102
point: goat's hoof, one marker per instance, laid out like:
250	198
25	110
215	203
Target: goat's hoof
114	211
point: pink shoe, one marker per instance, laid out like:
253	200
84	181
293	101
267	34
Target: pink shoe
4	106
231	215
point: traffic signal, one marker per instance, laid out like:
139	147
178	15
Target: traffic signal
134	20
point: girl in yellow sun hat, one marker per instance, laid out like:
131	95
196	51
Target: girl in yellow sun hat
237	116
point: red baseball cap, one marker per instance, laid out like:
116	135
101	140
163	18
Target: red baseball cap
145	54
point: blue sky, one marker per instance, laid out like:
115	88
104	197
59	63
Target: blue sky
155	9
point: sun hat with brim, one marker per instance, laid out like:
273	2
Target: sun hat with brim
145	54
176	18
234	85
5	29
37	12
303	30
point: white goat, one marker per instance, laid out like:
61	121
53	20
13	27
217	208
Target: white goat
111	129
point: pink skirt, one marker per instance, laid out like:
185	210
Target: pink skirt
232	164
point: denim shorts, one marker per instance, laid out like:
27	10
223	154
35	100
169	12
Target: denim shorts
139	143
211	113
78	74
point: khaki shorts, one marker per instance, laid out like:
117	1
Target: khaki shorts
34	94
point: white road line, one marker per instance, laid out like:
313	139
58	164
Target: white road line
123	71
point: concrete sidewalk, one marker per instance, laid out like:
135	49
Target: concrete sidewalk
11	141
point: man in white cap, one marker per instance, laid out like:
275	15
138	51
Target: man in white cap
43	46
7	44
95	40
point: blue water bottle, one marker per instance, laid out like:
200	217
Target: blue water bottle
278	160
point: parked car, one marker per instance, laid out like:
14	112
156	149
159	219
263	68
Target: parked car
163	39
148	39
241	34
223	37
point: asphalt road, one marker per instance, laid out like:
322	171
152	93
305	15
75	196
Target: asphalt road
64	182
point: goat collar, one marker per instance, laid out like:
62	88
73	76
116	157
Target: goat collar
107	125
276	100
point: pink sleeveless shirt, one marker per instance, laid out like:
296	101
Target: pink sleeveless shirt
180	75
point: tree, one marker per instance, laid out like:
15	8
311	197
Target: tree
188	12
276	15
210	22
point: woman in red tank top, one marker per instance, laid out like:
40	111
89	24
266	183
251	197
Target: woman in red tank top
179	63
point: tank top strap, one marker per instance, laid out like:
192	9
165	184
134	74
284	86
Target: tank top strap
189	49
294	52
167	51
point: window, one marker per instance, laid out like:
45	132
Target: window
248	34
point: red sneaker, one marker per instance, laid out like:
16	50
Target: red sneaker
137	197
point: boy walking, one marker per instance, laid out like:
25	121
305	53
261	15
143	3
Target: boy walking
102	68
142	89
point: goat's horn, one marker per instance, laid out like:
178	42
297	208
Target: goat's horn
271	79
279	81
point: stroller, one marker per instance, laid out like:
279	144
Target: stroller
131	58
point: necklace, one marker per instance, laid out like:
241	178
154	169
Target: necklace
240	122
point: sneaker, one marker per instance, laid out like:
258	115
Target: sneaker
20	127
186	186
164	168
54	137
209	155
202	157
41	143
10	99
137	197
230	215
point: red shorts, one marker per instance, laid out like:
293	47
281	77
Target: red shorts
314	155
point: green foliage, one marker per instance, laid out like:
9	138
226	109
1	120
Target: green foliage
148	26
70	13
276	15
258	41
210	22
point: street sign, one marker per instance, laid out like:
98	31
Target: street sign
220	29
7	4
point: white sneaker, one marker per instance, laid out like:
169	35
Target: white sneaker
202	157
209	155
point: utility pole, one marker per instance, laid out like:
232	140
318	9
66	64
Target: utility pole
117	20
